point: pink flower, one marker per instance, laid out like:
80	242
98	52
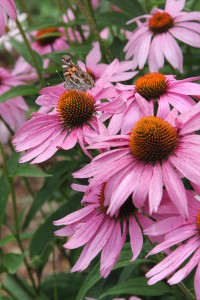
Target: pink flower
96	69
99	232
73	34
185	236
157	152
49	39
11	111
63	120
10	9
150	90
24	71
154	39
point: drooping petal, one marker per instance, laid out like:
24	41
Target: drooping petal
186	35
173	7
175	189
136	238
155	188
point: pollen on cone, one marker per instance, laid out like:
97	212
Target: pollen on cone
75	108
161	22
152	139
152	85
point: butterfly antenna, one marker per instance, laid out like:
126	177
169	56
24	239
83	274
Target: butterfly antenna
60	76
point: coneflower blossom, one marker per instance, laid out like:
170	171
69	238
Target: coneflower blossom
48	40
12	111
65	118
155	38
184	235
9	7
155	92
12	31
99	232
96	69
147	159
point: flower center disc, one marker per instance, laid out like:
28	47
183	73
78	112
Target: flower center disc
198	220
151	86
43	38
75	108
152	139
125	210
161	22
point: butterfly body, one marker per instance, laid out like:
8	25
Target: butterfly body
75	78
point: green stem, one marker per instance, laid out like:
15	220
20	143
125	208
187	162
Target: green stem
54	276
24	7
37	67
16	231
85	10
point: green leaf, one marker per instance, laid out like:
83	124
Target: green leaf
114	18
18	288
133	8
22	49
12	164
44	25
42	241
20	90
4	193
67	285
94	275
7	239
29	171
138	286
51	184
12	262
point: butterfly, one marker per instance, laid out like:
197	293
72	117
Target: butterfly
75	78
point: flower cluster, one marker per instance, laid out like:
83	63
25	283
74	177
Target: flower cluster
142	139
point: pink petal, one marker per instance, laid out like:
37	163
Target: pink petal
164	226
86	232
186	35
141	190
156	57
163	107
94	56
190	25
185	88
10	8
186	270
155	188
2	22
172	261
169	50
76	216
187	167
175	189
188	16
70	140
173	7
182	103
136	238
124	189
143	104
114	253
94	246
143	50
